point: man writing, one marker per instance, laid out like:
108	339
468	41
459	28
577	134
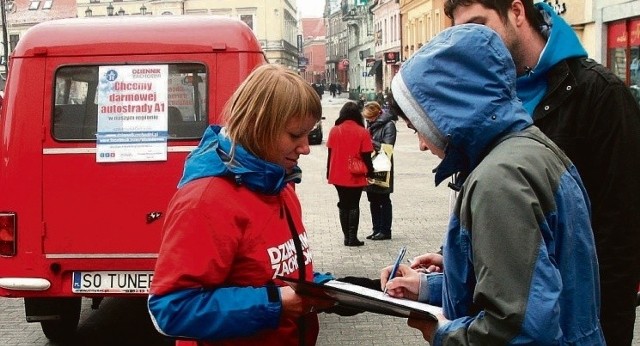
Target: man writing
518	263
592	116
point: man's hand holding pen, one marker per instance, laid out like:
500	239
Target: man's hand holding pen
406	284
405	281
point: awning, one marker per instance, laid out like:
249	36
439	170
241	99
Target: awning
376	66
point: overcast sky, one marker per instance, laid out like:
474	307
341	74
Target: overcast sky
310	8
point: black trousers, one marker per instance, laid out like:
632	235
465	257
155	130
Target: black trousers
349	197
381	212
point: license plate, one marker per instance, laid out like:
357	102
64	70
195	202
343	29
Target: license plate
112	282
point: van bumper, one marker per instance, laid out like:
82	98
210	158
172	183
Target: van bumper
25	284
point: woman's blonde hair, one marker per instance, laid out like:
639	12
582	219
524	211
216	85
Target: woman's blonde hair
260	108
371	110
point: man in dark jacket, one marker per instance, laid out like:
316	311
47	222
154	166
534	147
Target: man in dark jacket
589	113
519	259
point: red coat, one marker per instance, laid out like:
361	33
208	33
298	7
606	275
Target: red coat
346	140
220	234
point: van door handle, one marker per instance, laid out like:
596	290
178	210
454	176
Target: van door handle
153	216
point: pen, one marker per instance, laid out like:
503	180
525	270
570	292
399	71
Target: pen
394	270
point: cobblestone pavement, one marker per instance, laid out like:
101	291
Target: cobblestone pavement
420	217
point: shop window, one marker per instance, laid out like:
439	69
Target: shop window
634	67
618	62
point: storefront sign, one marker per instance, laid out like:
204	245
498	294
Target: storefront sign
343	65
634	32
370	62
391	57
617	35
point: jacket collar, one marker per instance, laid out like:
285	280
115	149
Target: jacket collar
218	156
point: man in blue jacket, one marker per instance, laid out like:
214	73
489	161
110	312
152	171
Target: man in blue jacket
592	116
519	261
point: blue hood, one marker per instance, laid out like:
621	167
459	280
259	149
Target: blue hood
562	43
212	158
459	91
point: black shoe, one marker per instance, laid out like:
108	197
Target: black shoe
354	242
371	235
381	236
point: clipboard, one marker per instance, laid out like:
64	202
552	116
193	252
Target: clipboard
363	298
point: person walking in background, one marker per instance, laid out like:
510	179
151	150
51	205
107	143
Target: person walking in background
235	221
592	116
319	88
383	131
332	89
361	101
349	140
519	260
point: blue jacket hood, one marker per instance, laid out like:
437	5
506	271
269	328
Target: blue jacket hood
213	158
459	91
562	44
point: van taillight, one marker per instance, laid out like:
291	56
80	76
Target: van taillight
7	234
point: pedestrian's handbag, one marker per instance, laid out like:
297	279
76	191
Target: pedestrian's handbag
381	162
357	166
382	166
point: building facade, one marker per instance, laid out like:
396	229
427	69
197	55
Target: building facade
388	41
360	47
20	15
350	47
274	22
421	20
314	50
337	55
610	32
617	39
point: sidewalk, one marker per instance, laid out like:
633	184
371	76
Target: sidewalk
329	101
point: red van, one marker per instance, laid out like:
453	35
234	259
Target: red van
97	119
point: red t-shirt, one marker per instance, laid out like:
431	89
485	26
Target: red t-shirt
347	140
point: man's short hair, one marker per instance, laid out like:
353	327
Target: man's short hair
500	6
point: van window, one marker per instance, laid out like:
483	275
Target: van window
75	111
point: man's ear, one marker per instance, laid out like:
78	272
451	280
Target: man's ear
517	8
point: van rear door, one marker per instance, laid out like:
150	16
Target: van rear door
96	206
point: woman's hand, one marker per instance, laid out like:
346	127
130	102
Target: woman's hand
294	305
406	283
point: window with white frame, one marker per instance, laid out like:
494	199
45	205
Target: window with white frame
248	16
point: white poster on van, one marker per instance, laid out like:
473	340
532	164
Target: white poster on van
132	113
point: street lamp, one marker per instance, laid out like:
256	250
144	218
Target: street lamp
110	10
88	12
5	45
143	10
